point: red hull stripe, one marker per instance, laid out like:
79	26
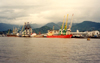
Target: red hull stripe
60	36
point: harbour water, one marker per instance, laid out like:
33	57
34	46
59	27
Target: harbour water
49	50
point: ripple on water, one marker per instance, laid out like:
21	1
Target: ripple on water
45	50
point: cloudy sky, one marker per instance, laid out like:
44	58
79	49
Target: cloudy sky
44	11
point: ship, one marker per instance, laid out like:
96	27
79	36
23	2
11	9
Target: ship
63	33
11	35
26	30
14	34
34	35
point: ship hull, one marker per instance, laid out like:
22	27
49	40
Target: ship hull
60	36
39	36
25	36
11	35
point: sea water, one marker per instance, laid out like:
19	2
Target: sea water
49	50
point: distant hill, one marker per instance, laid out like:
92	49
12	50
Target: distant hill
86	26
43	29
4	27
4	32
36	26
60	23
53	24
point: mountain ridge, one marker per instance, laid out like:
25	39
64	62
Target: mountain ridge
86	26
83	26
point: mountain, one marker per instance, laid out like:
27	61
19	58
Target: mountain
53	24
43	29
36	26
86	26
4	27
60	23
4	32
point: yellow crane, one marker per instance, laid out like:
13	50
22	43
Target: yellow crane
66	22
23	26
63	22
8	31
62	25
53	27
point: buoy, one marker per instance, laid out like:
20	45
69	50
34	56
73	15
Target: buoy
88	39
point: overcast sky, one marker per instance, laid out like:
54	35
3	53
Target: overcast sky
44	11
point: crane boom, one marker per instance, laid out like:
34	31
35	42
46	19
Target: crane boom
71	20
23	27
63	22
66	22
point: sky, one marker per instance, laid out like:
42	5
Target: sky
45	11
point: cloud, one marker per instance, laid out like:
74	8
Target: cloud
43	11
